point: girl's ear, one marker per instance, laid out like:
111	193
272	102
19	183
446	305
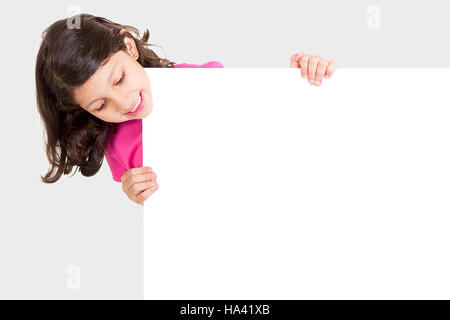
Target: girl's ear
130	44
122	31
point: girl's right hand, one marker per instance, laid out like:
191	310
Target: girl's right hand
139	183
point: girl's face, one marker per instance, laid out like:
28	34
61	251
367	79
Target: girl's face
119	91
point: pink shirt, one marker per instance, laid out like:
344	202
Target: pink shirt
124	147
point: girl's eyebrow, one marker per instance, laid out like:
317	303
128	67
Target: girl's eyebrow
109	80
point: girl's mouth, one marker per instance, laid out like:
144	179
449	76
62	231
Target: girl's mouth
139	107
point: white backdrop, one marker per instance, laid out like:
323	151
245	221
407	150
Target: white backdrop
271	188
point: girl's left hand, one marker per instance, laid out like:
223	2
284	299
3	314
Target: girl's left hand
313	67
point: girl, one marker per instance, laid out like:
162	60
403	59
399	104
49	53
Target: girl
92	93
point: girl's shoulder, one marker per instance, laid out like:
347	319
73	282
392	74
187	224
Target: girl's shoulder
209	64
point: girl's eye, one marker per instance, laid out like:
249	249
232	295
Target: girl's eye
121	79
101	107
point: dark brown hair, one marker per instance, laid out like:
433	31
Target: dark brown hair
67	58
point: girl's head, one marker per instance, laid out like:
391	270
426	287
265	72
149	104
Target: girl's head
88	79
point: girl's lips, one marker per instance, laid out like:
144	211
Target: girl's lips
139	108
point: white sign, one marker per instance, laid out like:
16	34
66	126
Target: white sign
272	188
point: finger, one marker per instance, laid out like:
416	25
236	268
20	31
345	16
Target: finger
140	178
312	67
304	65
134	171
295	58
321	69
135	189
294	63
146	193
332	66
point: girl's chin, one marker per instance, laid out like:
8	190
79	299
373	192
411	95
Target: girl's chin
145	113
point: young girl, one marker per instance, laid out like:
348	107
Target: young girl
92	93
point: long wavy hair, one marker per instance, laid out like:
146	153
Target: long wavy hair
68	56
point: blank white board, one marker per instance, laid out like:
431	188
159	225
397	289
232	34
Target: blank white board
271	188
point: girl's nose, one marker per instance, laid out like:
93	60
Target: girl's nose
126	104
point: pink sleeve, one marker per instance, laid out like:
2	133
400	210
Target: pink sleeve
117	168
124	147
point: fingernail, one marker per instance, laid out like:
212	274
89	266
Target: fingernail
303	76
311	82
318	82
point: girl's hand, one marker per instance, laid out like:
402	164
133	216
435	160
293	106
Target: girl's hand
139	183
313	67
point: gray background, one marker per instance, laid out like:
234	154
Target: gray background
89	222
